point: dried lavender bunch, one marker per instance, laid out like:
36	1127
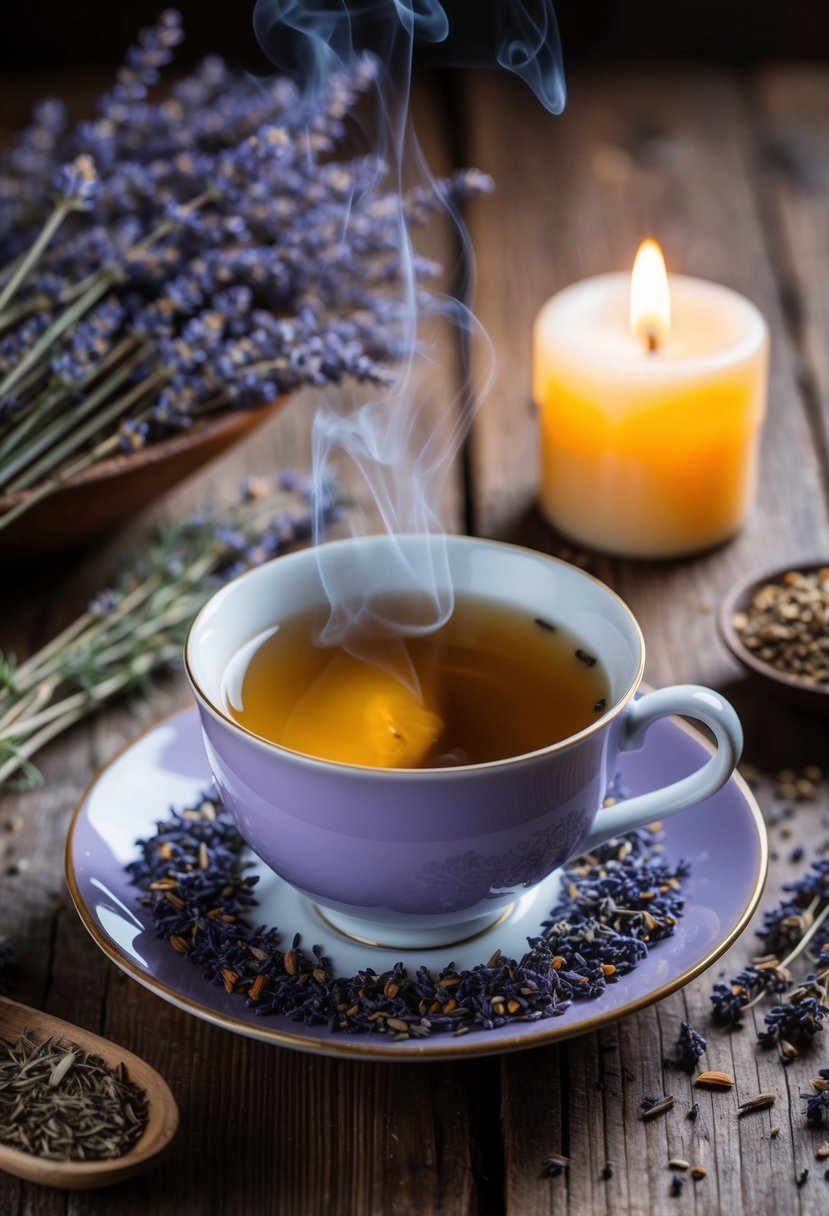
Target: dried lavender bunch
173	258
137	626
797	925
193	874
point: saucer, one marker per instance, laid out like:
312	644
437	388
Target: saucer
723	839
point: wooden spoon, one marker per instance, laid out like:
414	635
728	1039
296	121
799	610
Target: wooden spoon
162	1111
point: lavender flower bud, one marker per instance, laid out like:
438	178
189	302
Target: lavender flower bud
76	184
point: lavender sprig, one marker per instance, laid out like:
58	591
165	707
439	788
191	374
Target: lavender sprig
174	258
75	187
137	627
798	924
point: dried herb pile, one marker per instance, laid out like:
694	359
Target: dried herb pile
787	625
799	924
796	1008
59	1102
193	875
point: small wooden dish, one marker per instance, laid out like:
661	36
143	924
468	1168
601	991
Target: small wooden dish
811	697
106	495
162	1121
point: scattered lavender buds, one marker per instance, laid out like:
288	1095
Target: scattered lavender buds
653	1106
817	1104
797	925
193	877
176	257
691	1046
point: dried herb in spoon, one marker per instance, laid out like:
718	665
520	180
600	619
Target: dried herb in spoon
64	1104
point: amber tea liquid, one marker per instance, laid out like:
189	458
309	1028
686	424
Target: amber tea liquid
494	681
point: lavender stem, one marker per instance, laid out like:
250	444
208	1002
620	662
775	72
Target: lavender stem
33	256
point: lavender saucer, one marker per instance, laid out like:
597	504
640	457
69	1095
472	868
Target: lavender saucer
723	838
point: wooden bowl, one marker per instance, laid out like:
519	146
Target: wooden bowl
162	1111
106	495
811	697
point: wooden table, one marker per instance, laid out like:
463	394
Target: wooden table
731	173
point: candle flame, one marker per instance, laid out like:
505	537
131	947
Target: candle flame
650	299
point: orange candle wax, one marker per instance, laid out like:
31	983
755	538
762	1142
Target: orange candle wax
650	422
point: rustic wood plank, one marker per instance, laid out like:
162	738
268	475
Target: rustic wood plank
677	157
794	143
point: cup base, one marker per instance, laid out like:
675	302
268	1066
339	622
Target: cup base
413	937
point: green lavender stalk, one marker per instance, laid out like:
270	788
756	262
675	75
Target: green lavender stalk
135	631
39	449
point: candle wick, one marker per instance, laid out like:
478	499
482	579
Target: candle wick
652	340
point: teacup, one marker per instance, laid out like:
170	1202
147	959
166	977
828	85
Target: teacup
430	856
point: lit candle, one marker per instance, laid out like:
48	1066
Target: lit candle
651	393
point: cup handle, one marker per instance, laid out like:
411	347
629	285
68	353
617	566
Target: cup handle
697	702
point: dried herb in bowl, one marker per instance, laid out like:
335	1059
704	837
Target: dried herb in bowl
776	625
786	624
176	257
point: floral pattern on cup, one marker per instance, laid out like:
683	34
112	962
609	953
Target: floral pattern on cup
469	877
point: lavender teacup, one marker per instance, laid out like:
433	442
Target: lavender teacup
421	857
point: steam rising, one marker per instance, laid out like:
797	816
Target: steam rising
383	436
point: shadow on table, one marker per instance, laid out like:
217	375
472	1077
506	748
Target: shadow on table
777	734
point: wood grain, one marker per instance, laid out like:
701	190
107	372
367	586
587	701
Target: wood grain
681	157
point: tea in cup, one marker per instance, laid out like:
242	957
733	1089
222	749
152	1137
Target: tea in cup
417	781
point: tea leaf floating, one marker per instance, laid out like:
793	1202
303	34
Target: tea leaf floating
372	719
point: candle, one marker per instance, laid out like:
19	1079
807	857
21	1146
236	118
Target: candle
651	393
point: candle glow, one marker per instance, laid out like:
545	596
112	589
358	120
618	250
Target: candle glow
650	296
651	393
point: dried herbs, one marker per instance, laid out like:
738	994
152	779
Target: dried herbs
798	924
652	1106
691	1046
619	900
785	625
184	255
817	1103
61	1103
